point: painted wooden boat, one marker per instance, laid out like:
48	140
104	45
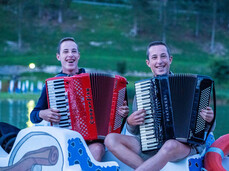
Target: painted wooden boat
47	148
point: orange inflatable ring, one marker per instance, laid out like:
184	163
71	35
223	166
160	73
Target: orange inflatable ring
215	154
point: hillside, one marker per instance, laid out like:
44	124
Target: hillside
105	41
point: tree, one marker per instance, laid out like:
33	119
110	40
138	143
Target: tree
164	17
20	18
18	9
55	9
60	16
223	8
212	47
139	9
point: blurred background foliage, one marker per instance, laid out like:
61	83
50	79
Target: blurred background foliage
113	35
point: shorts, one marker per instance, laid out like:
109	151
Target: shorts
95	141
146	155
195	149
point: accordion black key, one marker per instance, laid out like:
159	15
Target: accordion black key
173	105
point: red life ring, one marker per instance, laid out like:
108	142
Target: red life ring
215	154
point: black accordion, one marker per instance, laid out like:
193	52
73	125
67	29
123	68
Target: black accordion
173	104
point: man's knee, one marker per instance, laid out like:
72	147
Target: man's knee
97	148
170	146
110	141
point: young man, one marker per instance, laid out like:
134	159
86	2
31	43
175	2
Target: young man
68	54
127	148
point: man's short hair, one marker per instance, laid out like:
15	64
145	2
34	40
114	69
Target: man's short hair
155	43
63	40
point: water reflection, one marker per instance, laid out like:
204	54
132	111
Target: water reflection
16	112
30	105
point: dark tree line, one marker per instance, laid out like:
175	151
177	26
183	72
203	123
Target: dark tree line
26	11
213	12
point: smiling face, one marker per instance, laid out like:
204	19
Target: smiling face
69	57
159	60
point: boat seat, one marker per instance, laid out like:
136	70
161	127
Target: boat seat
8	134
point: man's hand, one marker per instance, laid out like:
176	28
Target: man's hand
207	114
123	110
50	115
137	118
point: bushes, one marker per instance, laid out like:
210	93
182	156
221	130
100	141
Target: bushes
121	67
220	70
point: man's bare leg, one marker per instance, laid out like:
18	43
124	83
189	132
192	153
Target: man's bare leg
97	150
172	150
125	148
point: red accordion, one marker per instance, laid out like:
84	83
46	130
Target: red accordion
88	103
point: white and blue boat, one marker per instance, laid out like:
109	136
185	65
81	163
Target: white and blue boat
46	148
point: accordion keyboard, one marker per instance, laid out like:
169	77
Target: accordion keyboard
58	100
147	131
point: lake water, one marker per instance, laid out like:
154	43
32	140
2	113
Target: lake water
16	112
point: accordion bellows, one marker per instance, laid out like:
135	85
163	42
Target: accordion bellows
88	103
